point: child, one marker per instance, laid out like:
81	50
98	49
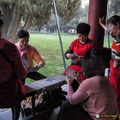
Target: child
114	31
28	55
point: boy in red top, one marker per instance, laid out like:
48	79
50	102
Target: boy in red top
79	48
114	31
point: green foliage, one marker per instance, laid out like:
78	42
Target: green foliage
69	8
113	7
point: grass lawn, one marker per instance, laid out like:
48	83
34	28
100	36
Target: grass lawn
48	45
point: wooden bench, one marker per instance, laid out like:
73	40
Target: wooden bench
47	84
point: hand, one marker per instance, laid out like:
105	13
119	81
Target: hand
115	65
101	20
41	64
77	77
78	59
69	56
68	81
36	68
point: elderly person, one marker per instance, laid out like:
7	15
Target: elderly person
94	99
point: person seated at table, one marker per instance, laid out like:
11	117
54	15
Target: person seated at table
94	98
29	54
79	48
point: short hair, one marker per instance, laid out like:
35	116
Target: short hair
92	66
1	23
83	28
114	20
23	34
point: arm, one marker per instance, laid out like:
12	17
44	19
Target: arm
38	59
69	53
76	97
101	23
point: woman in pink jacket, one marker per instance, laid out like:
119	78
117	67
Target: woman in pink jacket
94	98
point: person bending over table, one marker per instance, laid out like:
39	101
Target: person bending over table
94	99
29	54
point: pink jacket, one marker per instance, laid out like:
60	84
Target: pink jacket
96	97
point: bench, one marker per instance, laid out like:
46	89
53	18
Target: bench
46	84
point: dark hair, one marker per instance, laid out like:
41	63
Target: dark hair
114	20
92	66
1	23
23	34
83	28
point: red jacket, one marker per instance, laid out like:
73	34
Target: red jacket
9	83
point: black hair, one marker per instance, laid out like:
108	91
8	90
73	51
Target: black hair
114	20
23	34
1	23
92	66
83	28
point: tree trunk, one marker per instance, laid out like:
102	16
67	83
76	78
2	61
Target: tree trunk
28	22
7	18
11	34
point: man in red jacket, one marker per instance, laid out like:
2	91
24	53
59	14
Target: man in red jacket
11	71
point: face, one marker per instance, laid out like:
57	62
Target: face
113	28
24	41
82	38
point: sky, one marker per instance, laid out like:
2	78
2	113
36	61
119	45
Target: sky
84	2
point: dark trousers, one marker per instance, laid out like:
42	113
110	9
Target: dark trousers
72	112
16	112
34	76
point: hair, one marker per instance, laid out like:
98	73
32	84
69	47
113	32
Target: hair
83	28
23	34
92	66
1	23
114	20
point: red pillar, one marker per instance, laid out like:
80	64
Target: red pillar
97	9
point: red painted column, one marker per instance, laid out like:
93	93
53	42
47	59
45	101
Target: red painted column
97	9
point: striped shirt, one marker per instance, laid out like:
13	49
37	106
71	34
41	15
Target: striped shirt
115	47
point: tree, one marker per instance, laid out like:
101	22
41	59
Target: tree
113	7
80	15
69	8
32	12
16	10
